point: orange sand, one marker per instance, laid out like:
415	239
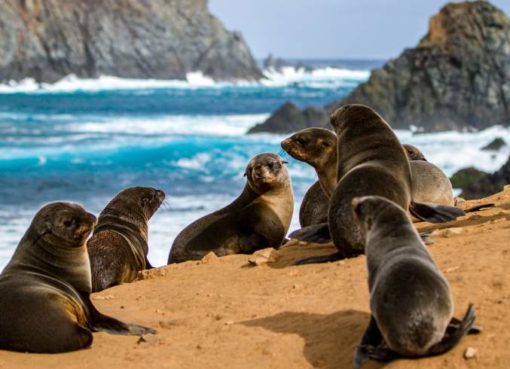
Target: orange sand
223	313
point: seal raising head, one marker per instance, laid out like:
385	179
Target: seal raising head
259	218
119	247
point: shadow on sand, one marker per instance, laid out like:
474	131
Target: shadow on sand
330	340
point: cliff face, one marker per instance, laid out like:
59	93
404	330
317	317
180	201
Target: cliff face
49	39
457	77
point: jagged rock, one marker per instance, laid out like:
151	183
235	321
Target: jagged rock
289	118
465	177
457	77
488	184
495	144
274	63
49	39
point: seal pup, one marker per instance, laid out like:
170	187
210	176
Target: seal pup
370	161
118	248
410	299
317	147
45	288
260	217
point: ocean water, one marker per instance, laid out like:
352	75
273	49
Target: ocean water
85	140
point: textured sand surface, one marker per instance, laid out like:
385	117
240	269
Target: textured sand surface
223	313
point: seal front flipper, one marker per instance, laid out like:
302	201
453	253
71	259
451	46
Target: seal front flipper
435	213
452	338
371	338
317	233
104	323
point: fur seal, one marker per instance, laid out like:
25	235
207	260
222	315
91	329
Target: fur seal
46	287
430	183
317	147
410	299
370	161
118	248
260	217
314	207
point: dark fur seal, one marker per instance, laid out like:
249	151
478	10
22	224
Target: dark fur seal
314	207
45	305
260	217
371	161
118	248
317	147
410	299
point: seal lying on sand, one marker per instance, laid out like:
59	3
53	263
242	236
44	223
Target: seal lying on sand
410	299
45	288
260	217
430	183
370	161
118	248
317	147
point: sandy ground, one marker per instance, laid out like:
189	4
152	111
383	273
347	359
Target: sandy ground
224	313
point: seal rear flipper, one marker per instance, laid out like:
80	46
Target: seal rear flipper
316	233
434	213
321	259
371	338
455	335
103	323
479	207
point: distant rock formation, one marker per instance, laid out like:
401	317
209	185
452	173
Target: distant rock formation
458	77
289	118
488	184
49	39
495	144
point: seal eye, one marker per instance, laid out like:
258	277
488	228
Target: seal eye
301	141
68	223
325	143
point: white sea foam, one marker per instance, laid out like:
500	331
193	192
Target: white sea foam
452	151
318	78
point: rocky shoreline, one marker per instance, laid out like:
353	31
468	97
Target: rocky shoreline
49	39
456	78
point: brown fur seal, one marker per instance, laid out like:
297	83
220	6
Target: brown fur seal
317	147
410	299
45	288
260	217
371	161
430	184
118	248
314	207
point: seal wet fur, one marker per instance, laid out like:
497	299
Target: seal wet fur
260	217
370	161
45	288
410	299
118	248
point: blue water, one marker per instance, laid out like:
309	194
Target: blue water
85	141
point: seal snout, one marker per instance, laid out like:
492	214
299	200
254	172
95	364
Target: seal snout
160	195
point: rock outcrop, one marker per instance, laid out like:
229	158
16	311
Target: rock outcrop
457	77
164	39
289	118
488	184
495	144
